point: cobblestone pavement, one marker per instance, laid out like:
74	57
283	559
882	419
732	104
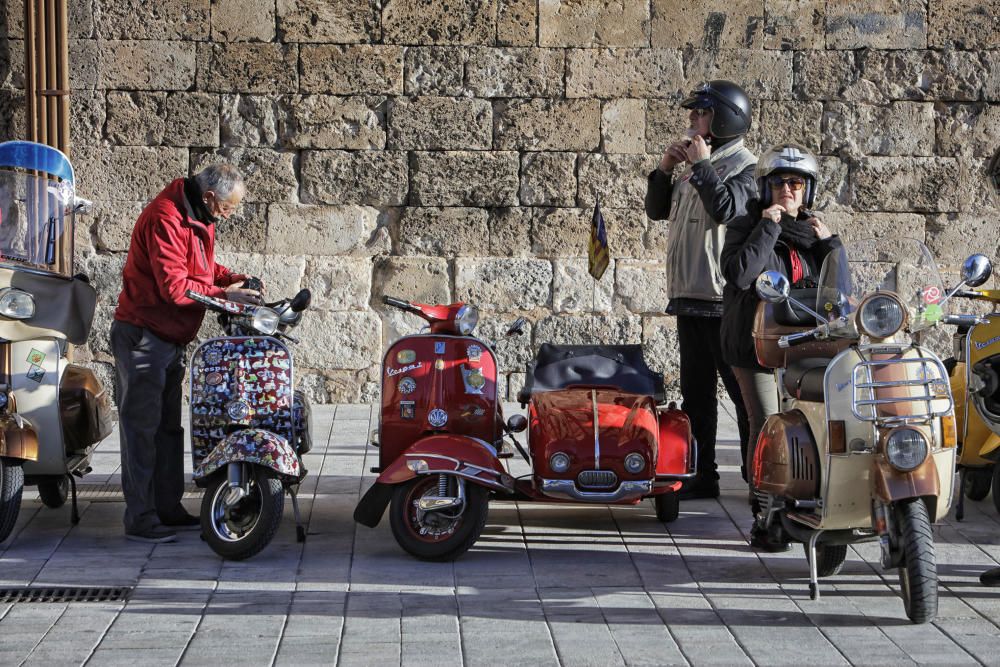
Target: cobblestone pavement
544	585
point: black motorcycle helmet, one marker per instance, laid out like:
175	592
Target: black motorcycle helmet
730	106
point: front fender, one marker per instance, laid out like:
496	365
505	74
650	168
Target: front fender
890	485
252	445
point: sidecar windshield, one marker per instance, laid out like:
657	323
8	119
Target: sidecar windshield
36	208
902	266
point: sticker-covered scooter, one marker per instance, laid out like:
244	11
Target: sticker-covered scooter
249	429
52	412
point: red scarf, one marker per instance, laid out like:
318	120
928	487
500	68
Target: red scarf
796	261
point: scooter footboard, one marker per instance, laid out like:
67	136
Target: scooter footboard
255	446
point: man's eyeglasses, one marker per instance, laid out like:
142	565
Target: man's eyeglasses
794	183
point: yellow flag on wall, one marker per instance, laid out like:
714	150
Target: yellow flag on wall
598	253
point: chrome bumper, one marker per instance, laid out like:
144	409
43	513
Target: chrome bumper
567	489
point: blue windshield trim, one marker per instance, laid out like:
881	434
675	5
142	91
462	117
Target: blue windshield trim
38	157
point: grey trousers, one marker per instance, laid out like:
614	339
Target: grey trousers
760	396
148	376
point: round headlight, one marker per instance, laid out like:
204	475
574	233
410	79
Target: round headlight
466	320
559	462
265	321
906	449
635	462
881	316
16	304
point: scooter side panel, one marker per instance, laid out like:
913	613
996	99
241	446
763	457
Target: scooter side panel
252	445
36	369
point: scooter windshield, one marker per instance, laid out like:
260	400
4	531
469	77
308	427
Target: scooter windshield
902	266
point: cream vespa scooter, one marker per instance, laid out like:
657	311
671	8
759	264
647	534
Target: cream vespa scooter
864	446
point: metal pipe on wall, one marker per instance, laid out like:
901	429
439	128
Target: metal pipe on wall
46	54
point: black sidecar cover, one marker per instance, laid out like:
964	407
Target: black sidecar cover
620	366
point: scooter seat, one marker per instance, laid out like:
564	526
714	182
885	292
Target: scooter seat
804	379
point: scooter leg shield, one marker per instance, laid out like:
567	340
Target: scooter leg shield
891	485
372	505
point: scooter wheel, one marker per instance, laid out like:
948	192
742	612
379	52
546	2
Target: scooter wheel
978	483
54	491
243	529
11	488
918	571
668	506
436	536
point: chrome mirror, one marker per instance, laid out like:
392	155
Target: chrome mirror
976	270
517	423
773	286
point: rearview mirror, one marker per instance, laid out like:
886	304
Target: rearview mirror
773	287
517	328
976	270
517	423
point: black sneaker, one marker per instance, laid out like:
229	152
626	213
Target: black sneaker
154	535
182	521
763	540
699	488
990	577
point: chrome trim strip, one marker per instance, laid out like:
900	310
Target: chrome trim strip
926	361
460	473
597	431
627	490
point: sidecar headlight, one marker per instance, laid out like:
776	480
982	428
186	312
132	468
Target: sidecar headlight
265	320
635	462
906	449
559	462
881	316
16	304
467	319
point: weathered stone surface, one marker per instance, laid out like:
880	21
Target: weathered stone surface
505	285
833	192
609	73
249	120
113	223
548	179
245	231
434	70
515	72
352	70
595	23
901	128
907	184
79	26
589	330
641	286
464	179
967	129
565	232
431	22
87	116
800	122
327	121
574	290
269	174
325	230
12	67
105	272
920	75
337	340
86	66
824	75
323	21
243	21
136	119
138	19
146	65
660	346
991	81
510	231
513	353
440	123
375	178
794	24
953	237
763	74
128	173
623	126
192	119
666	122
421	279
443	232
543	124
712	24
853	226
517	22
248	67
99	341
964	24
876	24
341	283
618	180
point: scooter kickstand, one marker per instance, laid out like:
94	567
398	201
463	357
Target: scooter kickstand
813	577
74	516
300	530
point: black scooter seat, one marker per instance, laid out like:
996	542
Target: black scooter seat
804	379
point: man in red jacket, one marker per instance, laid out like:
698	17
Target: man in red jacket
172	251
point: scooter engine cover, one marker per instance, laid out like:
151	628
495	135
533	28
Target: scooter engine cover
786	459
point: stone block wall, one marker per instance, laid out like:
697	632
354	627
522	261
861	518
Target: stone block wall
453	151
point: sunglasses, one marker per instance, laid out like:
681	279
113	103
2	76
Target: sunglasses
794	183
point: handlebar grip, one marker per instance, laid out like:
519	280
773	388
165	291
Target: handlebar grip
791	340
397	303
964	320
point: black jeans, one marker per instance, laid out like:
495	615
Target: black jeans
148	376
701	366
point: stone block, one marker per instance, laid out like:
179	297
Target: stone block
328	121
963	24
710	25
610	73
932	75
421	279
907	184
833	192
794	24
339	283
244	231
136	119
281	279
574	290
589	330
352	70
87	116
443	232
900	128
341	22
113	224
135	19
294	229
440	123
86	65
145	65
515	72
80	24
12	67
666	122
800	122
513	353
434	70
967	129
243	21
105	273
374	178
192	119
464	178
876	24
510	232
504	284
618	180
953	237
248	67
660	348
338	340
269	174
623	126
517	22
542	124
129	173
99	341
765	75
641	286
419	22
548	179
991	80
565	232
596	23
854	226
250	120
824	75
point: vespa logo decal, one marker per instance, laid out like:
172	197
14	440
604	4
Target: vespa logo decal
980	346
397	371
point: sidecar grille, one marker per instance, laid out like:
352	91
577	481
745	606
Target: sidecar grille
597	479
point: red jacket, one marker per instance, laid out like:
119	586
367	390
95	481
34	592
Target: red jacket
169	254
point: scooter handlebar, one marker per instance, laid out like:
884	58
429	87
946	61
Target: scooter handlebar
791	340
964	320
397	303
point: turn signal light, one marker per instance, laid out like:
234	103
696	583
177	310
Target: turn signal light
838	436
949	436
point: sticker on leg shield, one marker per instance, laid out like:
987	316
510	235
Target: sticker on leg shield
36	373
35	357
